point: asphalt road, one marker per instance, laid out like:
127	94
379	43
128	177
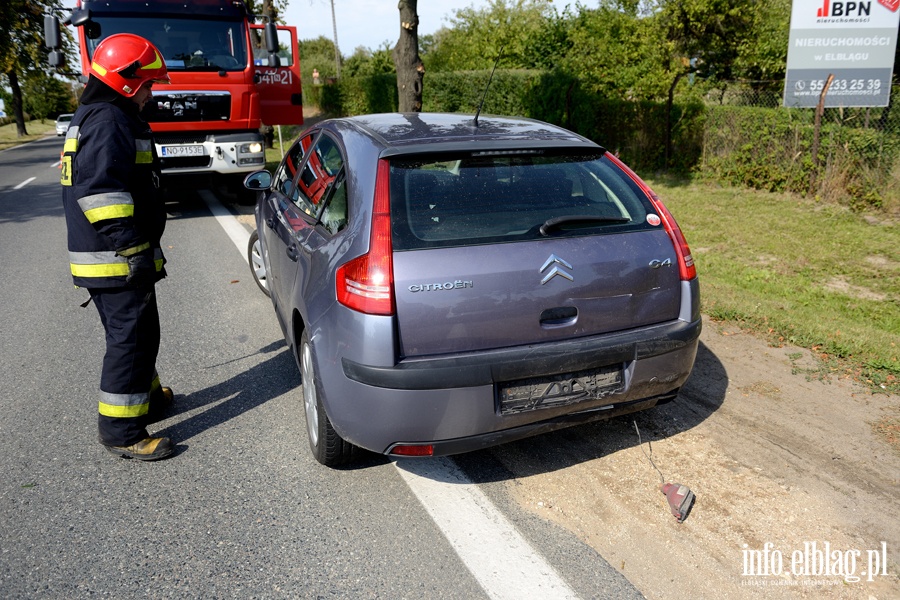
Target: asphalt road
242	510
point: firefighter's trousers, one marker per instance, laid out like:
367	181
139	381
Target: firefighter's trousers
131	320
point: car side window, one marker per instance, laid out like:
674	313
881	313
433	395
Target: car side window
334	217
319	176
287	170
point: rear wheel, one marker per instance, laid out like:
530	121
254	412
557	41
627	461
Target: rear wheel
257	263
327	446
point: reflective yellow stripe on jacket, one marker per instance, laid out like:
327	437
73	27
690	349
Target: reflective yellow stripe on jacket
104	263
144	152
113	205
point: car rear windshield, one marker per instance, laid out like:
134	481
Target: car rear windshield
476	199
64	118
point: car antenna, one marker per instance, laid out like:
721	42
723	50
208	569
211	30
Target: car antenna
484	95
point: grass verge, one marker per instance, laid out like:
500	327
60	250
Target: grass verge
812	275
9	135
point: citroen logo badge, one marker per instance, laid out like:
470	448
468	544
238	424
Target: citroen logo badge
555	262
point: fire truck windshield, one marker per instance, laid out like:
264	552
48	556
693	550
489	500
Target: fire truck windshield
186	44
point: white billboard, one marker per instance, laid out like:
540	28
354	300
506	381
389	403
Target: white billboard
853	40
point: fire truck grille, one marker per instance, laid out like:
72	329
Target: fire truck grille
174	107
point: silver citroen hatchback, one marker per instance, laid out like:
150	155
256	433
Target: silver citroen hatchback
447	284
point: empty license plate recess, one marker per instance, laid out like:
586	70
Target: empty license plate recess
559	390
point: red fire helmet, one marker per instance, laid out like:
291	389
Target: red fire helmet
126	61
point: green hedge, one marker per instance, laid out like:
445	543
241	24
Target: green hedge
771	149
357	95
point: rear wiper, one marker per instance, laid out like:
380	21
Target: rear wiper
579	220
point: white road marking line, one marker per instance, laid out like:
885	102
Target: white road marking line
504	563
24	183
237	232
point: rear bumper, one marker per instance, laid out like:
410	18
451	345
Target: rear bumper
452	403
486	368
494	438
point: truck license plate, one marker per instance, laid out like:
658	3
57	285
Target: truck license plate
183	151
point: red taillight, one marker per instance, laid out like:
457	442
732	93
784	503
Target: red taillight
426	450
686	268
366	283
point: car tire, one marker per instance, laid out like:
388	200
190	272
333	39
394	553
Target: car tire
257	263
326	445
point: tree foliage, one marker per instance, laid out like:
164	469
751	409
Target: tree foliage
620	49
366	63
629	49
522	29
23	57
318	54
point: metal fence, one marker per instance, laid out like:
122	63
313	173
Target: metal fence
768	94
850	155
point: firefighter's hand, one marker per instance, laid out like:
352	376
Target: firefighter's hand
141	270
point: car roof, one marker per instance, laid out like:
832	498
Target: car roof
408	133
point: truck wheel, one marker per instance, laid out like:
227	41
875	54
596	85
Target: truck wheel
327	446
257	263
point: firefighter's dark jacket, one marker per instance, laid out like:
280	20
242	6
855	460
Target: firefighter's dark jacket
110	181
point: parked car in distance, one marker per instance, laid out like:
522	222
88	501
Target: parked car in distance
62	123
447	284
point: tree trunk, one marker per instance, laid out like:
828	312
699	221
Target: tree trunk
17	102
410	70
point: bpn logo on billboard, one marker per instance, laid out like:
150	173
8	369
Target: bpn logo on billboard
852	9
844	9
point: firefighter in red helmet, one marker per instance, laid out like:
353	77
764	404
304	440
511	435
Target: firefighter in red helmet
115	219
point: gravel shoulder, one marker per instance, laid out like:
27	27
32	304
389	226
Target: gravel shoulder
783	468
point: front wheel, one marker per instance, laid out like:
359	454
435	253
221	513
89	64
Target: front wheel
327	446
257	263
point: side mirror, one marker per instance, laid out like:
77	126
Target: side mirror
272	44
51	32
258	181
53	42
80	16
271	37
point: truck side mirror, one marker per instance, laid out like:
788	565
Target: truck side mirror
53	42
80	16
51	32
271	37
272	44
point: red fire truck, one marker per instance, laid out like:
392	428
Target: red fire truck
229	76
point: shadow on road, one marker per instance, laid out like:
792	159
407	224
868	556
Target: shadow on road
233	397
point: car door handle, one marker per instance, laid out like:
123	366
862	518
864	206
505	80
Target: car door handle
292	252
271	222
